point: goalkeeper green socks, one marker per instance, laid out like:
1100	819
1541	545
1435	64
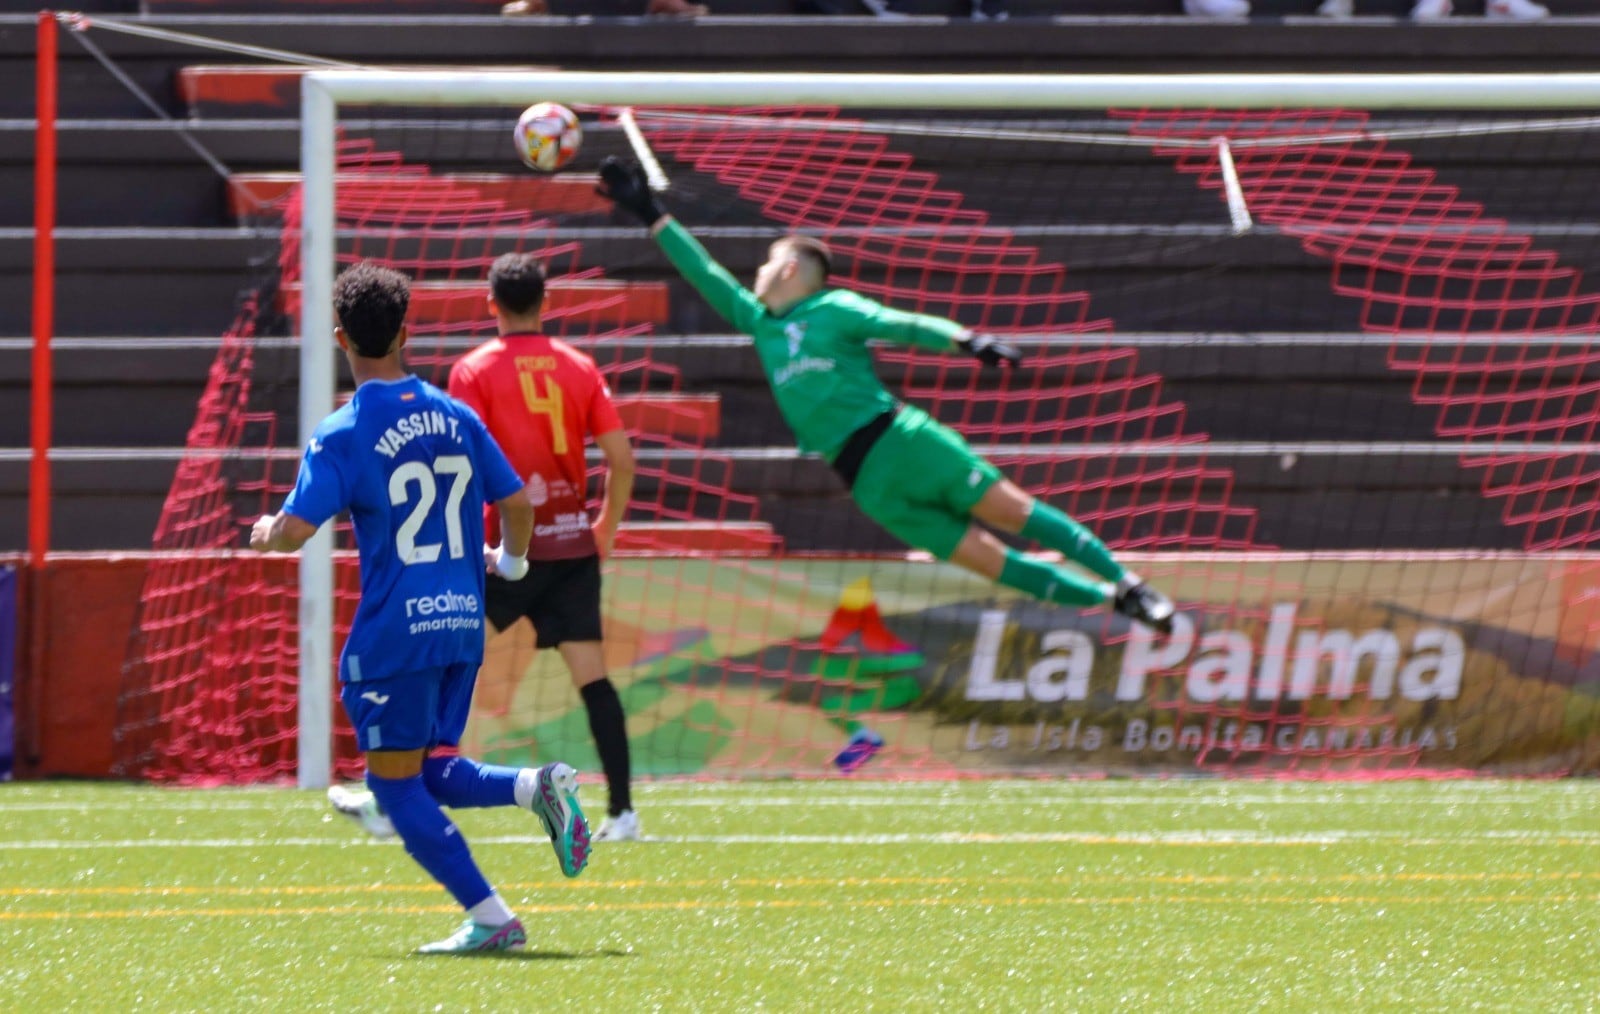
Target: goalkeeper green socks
1055	530
1052	584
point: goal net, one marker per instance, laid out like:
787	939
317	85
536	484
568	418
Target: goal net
1314	355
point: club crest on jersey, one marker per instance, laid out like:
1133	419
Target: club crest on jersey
795	333
537	491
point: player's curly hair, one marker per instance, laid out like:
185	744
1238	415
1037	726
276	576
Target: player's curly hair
516	281
370	301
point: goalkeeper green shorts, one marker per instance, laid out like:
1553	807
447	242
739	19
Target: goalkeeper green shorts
920	481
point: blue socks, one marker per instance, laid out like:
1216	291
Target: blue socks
460	782
430	838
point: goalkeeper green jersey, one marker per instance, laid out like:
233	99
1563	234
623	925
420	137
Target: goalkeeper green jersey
815	355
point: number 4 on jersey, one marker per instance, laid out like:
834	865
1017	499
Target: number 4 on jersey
549	402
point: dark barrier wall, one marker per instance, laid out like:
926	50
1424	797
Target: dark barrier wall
8	655
66	695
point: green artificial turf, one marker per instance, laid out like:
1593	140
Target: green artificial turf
838	895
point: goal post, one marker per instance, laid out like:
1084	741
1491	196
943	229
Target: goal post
318	379
326	92
445	88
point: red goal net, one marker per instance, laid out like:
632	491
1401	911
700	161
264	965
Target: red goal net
1355	440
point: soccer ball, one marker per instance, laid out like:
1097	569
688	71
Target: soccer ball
548	136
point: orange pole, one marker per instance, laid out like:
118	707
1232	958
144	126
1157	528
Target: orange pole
44	290
44	324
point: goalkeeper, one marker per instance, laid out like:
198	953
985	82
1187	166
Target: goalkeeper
909	473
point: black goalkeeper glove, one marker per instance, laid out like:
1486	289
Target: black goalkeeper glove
991	351
625	185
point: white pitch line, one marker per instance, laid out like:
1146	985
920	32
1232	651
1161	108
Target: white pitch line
1182	838
1137	838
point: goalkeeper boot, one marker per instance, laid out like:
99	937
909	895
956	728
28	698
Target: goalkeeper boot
475	938
1143	603
360	806
1516	10
1430	10
864	745
623	827
555	803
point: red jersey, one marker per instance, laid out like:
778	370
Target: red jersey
541	398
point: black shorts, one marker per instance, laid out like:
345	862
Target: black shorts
561	598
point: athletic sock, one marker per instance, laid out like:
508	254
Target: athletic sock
491	911
430	838
610	729
526	789
461	782
1055	530
1052	584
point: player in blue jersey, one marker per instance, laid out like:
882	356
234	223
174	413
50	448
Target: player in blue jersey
414	468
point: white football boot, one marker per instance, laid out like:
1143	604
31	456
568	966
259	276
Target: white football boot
623	827
1430	10
1337	8
359	806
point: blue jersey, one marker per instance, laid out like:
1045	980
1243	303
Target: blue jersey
414	468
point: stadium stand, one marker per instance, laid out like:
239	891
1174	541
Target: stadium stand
140	214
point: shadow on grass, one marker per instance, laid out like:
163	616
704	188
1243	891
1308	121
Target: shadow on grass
532	955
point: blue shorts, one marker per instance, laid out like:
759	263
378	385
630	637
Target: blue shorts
411	710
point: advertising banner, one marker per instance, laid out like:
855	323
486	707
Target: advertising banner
1357	666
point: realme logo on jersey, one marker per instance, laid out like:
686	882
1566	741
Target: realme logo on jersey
449	610
444	602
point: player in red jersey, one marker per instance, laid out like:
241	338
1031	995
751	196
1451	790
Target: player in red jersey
541	400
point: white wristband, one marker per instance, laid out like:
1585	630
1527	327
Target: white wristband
512	568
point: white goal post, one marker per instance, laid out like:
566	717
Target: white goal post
323	91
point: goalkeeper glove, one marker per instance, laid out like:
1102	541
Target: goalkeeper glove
625	185
990	351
